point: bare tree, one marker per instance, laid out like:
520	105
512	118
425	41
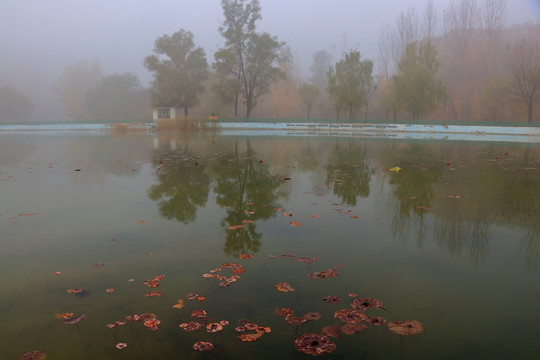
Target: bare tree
523	84
494	15
406	32
460	18
384	47
430	21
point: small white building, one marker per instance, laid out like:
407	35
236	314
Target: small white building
166	113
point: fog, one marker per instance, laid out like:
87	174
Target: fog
39	38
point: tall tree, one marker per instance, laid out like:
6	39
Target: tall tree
248	61
260	69
237	27
417	87
430	21
179	68
14	105
308	93
523	84
494	15
322	60
350	83
384	49
76	79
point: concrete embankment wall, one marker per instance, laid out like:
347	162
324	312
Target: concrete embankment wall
398	131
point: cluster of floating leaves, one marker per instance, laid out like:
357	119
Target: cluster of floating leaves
288	315
256	331
236	269
354	318
328	273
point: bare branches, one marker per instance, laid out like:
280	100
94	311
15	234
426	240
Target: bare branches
524	74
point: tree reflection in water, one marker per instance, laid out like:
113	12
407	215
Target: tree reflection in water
520	205
183	185
247	189
451	194
348	172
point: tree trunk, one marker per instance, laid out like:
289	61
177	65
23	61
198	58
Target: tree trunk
186	111
366	110
248	108
530	116
236	105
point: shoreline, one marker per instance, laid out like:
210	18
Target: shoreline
370	130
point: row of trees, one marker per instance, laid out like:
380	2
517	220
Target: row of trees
461	65
489	71
14	105
245	69
451	71
88	95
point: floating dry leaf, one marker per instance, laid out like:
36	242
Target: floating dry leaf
214	327
307	260
199	313
406	327
179	305
153	293
75	320
246	256
332	331
351	316
190	326
283	312
64	315
376	321
250	337
314	344
203	346
351	329
312	316
33	355
331	299
284	287
363	304
328	273
151	323
121	345
293	320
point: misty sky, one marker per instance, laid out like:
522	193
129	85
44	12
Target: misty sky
38	38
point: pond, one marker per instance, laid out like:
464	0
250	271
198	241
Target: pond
224	230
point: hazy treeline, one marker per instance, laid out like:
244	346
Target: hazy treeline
461	64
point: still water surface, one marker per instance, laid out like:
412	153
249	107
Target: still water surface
452	240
